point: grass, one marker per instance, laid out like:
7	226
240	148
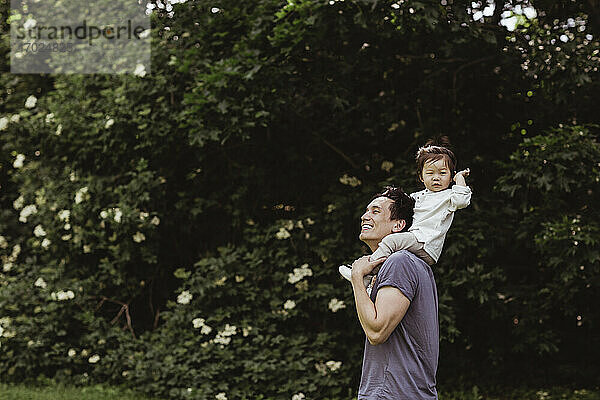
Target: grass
556	393
58	392
99	392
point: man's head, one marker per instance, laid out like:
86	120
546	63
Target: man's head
388	212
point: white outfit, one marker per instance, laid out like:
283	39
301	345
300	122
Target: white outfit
433	215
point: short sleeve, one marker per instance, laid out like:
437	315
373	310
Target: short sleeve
399	271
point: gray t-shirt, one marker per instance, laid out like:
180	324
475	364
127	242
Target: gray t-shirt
404	366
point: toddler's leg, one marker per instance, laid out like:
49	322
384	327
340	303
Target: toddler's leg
392	243
417	249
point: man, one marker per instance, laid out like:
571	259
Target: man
400	316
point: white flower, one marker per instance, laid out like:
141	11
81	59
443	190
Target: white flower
223	337
298	396
564	38
38	231
143	215
155	220
72	176
26	212
15	118
71	352
299	273
40	283
139	237
221	396
3	242
59	129
18	163
80	195
140	70
66	237
350	180
184	297
3	123
144	34
29	24
49	117
18	203
64	215
7	267
246	331
87	248
103	214
109	123
15	252
30	102
387	166
282	234
205	330
94	359
46	242
62	296
335	305
118	215
333	365
289	305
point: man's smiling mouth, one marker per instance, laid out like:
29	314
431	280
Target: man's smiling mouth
366	226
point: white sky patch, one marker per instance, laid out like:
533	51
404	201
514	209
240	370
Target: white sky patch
488	11
530	12
510	23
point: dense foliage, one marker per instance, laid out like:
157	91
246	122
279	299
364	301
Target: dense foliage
180	231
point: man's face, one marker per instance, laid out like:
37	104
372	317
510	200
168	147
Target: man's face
375	223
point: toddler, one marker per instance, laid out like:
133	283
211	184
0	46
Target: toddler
433	211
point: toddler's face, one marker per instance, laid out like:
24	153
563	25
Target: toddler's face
436	175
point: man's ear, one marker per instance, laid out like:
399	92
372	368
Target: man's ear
398	225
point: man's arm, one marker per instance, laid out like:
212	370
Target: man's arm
378	319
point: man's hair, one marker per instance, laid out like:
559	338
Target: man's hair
436	149
402	205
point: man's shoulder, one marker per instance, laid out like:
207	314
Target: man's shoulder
406	260
403	256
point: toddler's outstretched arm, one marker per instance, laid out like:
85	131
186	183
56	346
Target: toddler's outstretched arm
461	193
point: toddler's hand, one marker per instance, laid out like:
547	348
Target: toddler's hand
461	175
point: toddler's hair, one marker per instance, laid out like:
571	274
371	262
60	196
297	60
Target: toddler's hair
436	149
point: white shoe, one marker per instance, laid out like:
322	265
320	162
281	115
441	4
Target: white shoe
345	271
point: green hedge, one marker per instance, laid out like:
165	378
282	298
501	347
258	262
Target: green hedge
183	229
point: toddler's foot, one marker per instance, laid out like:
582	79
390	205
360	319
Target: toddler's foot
346	271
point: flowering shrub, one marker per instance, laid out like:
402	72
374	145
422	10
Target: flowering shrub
180	230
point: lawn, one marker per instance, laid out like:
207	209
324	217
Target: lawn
98	392
23	392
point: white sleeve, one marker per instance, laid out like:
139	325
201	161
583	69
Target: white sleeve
460	197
